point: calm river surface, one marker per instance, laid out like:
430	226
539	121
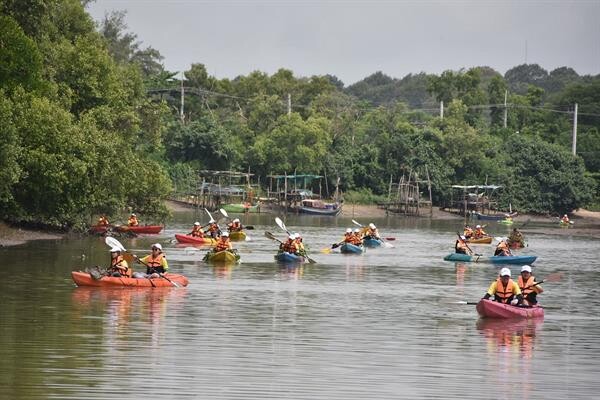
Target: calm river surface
382	325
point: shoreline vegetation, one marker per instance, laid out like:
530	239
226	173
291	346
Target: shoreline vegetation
586	223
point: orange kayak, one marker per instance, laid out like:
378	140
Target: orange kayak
194	239
146	229
481	240
85	279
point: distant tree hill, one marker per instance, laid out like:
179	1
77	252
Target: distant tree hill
382	89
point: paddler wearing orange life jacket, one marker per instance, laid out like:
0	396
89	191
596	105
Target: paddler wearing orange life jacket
468	232
504	289
290	245
502	249
235	226
565	219
103	221
213	229
223	243
197	230
299	244
118	265
356	238
479	232
461	246
132	221
527	285
156	262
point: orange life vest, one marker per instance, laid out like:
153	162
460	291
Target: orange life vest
103	221
502	292
213	228
115	265
197	232
289	246
526	287
468	232
155	262
223	244
235	227
132	221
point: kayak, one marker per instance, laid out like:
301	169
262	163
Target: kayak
481	240
494	309
222	256
285	257
370	242
193	239
85	279
99	228
563	224
237	236
506	222
491	259
348	248
147	229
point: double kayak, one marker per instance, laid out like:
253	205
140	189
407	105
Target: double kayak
285	257
372	242
224	256
348	248
494	309
145	229
194	239
238	236
481	240
85	279
491	259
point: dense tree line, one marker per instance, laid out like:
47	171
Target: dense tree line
90	124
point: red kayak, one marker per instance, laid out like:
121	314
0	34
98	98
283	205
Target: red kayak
194	239
99	228
85	279
494	309
147	229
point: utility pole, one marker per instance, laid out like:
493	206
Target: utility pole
289	103
182	116
505	108
575	130
442	109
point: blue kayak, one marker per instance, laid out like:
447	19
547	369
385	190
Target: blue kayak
285	257
371	242
348	248
493	259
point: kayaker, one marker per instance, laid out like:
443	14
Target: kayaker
213	229
103	221
118	265
461	246
516	237
197	230
504	289
565	219
372	232
299	244
468	232
502	249
289	246
528	287
155	262
132	221
223	243
235	226
479	232
356	238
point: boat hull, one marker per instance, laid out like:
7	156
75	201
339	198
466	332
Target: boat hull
481	240
285	257
494	259
99	228
181	238
371	243
240	208
85	279
494	309
320	211
348	248
237	236
499	217
144	229
221	257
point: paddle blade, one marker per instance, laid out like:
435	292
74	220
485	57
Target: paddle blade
224	213
390	238
128	257
112	242
325	250
357	223
249	227
210	216
280	224
554	277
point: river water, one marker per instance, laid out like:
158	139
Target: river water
382	325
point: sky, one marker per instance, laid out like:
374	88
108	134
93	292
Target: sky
353	39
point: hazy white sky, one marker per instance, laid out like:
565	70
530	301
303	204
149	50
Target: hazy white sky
353	39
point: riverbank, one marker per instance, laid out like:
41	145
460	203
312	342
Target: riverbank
12	236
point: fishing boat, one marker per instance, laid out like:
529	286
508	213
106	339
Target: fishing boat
319	207
144	229
168	280
240	208
495	217
481	240
238	236
349	248
224	256
182	238
494	309
372	242
491	259
285	257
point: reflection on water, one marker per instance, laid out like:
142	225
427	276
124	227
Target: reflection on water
382	325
